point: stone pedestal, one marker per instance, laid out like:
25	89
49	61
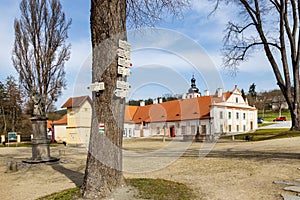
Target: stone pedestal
40	142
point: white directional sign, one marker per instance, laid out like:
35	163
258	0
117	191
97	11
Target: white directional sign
95	87
123	85
121	93
124	45
123	62
123	70
124	54
124	58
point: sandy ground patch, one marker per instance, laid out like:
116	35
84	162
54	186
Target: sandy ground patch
231	170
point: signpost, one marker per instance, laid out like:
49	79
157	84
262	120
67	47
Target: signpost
123	62
123	68
123	85
121	93
124	45
95	87
123	71
124	53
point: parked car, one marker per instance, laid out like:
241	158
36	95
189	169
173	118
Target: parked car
260	120
279	119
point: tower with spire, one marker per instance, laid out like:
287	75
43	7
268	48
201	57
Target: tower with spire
193	92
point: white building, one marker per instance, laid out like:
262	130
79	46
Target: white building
220	113
79	114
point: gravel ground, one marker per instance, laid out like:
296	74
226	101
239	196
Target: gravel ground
225	170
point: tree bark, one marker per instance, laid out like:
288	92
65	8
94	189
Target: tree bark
4	120
104	162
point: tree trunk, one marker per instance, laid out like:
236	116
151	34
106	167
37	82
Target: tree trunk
295	115
104	162
4	120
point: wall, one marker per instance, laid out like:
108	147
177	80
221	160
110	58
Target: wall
60	132
230	122
79	124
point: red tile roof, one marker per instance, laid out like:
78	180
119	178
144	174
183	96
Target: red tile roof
61	121
75	102
129	113
177	110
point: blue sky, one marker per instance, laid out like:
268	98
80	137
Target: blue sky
163	60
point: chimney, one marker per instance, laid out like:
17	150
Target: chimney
142	103
206	92
160	100
155	101
220	92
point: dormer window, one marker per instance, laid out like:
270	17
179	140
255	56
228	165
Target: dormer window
236	100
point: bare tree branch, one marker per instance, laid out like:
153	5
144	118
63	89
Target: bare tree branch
148	13
40	51
284	38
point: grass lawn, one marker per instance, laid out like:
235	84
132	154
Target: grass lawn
71	194
161	189
266	134
269	115
157	189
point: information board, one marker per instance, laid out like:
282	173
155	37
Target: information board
12	136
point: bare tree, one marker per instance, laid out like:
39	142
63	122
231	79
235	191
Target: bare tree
10	106
108	24
3	97
40	50
14	103
271	25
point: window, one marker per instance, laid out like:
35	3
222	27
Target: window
229	115
193	129
183	130
129	132
203	129
157	130
221	128
236	100
229	128
237	128
244	115
244	128
237	115
221	114
125	132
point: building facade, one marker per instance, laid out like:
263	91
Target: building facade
79	114
223	113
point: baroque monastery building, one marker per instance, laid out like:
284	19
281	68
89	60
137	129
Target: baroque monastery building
208	115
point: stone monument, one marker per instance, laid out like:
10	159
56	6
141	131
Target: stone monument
40	141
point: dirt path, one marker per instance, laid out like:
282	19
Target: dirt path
232	170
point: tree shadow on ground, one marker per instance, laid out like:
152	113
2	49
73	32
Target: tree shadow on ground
207	153
75	176
241	154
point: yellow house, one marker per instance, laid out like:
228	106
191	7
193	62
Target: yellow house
79	112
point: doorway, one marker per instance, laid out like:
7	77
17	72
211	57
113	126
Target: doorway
172	131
